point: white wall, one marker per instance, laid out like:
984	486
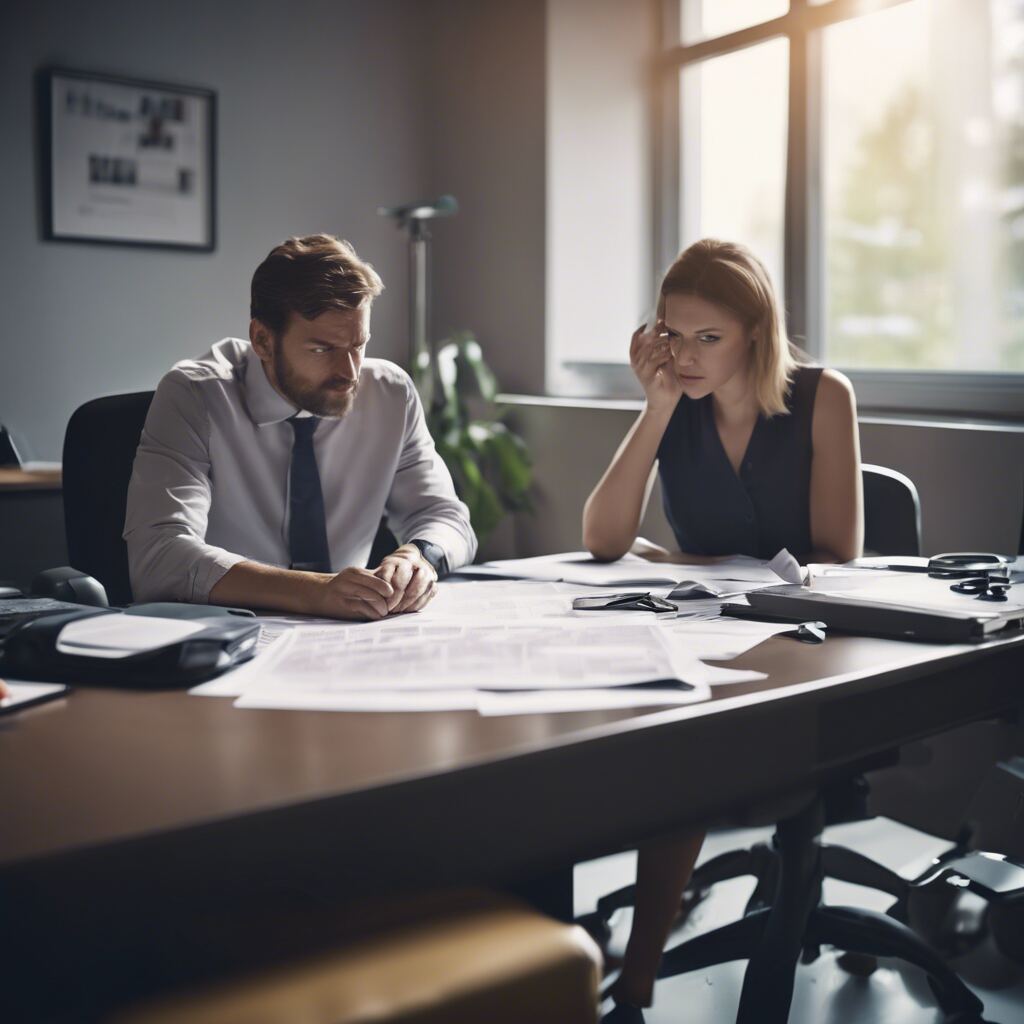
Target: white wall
328	109
318	124
600	251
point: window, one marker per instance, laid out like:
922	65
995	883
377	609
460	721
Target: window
923	172
872	153
895	227
734	162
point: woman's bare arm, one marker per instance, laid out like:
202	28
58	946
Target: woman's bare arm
612	514
615	507
837	502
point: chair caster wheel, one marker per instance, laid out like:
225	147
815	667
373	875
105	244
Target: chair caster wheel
860	965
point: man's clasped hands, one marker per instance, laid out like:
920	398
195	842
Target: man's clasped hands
403	582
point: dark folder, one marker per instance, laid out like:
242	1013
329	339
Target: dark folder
887	618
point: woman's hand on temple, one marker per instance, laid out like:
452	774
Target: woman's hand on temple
651	360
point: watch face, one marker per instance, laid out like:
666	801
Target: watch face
434	554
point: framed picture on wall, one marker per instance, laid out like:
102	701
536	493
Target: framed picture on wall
128	162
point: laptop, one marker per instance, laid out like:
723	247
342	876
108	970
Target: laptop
905	607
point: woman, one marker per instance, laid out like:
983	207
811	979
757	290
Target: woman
756	451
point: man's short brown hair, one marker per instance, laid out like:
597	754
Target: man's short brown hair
310	276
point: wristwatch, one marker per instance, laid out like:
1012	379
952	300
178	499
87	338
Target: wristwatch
434	554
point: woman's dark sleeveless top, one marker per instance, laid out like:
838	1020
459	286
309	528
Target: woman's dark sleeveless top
714	511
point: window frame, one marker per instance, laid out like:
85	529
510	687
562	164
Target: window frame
947	393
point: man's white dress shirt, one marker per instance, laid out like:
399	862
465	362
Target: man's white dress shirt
209	487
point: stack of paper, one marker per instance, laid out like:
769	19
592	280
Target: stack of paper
499	647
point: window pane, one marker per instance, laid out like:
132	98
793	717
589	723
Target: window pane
924	187
733	166
705	19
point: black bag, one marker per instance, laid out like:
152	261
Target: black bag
30	651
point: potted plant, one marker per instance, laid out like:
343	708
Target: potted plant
489	463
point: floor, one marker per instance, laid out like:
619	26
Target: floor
825	993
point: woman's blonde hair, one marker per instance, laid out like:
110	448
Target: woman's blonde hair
730	275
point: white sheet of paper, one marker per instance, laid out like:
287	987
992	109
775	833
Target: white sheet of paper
517	655
724	638
628	571
478	639
580	567
363	700
533	702
787	568
915	590
118	636
233	683
19	692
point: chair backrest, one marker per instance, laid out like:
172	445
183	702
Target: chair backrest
1020	546
99	449
892	512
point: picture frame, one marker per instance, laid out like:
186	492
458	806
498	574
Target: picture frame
127	161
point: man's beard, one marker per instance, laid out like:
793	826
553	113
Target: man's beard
320	400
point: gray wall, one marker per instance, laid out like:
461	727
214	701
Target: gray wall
484	89
969	478
328	109
318	124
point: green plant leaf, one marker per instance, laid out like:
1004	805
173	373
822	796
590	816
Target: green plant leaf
479	433
490	465
449	401
512	462
472	357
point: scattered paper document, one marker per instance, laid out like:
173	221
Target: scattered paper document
233	683
120	636
581	567
362	700
529	655
480	641
20	692
632	571
724	638
545	702
787	568
915	590
489	703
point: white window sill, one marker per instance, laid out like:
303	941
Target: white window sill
905	419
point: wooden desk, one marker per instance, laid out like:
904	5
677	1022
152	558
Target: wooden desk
118	804
30	479
31	524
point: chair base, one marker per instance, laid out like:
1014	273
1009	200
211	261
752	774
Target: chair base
791	923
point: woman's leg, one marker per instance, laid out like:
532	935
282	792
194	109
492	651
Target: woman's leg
663	869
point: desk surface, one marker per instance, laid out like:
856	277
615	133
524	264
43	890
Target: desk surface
30	479
142	836
106	769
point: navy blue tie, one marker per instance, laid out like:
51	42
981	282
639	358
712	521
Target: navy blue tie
307	526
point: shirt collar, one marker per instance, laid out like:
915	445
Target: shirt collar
266	406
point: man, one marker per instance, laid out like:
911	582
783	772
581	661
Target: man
265	465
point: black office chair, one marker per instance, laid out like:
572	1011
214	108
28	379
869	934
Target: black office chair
785	919
99	449
892	512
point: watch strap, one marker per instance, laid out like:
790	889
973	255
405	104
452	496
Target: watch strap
434	555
